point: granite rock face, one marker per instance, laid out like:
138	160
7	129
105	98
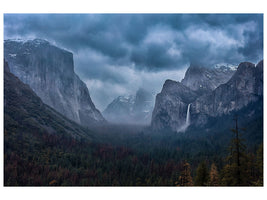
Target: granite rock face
203	79
244	87
49	71
171	106
213	99
24	110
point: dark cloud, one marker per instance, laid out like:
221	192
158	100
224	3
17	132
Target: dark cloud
154	56
253	48
97	67
121	36
106	44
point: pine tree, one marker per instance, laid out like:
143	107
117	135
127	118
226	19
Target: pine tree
214	176
202	175
235	172
259	166
185	178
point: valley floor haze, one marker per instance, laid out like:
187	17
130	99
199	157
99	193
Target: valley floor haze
133	99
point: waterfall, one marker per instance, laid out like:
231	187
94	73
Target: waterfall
187	122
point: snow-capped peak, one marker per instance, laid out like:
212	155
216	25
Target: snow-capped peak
16	40
126	98
32	41
225	67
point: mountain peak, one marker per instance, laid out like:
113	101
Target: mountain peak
260	64
204	79
36	41
6	67
170	86
169	82
223	91
126	98
194	68
244	71
49	71
131	109
245	65
259	67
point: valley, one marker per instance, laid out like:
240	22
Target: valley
186	135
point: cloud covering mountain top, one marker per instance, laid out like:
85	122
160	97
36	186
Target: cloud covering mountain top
118	53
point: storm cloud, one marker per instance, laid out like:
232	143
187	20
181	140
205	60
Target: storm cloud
117	53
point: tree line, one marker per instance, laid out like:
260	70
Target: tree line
34	158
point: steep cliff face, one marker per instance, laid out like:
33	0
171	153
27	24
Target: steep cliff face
243	87
25	112
259	78
203	79
171	106
49	71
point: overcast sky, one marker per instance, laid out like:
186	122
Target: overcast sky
115	54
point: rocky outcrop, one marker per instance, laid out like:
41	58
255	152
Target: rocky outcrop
203	80
171	106
49	71
25	112
259	78
243	87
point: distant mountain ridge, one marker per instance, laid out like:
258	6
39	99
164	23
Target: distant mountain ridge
49	71
131	109
120	109
241	87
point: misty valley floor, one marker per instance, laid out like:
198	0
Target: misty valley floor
121	155
197	73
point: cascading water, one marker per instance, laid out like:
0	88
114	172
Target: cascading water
187	121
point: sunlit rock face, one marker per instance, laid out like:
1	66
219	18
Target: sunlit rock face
49	71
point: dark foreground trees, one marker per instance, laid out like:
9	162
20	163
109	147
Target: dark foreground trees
185	178
241	165
214	179
202	175
33	158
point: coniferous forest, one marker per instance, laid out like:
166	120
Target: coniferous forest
130	157
44	148
133	100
